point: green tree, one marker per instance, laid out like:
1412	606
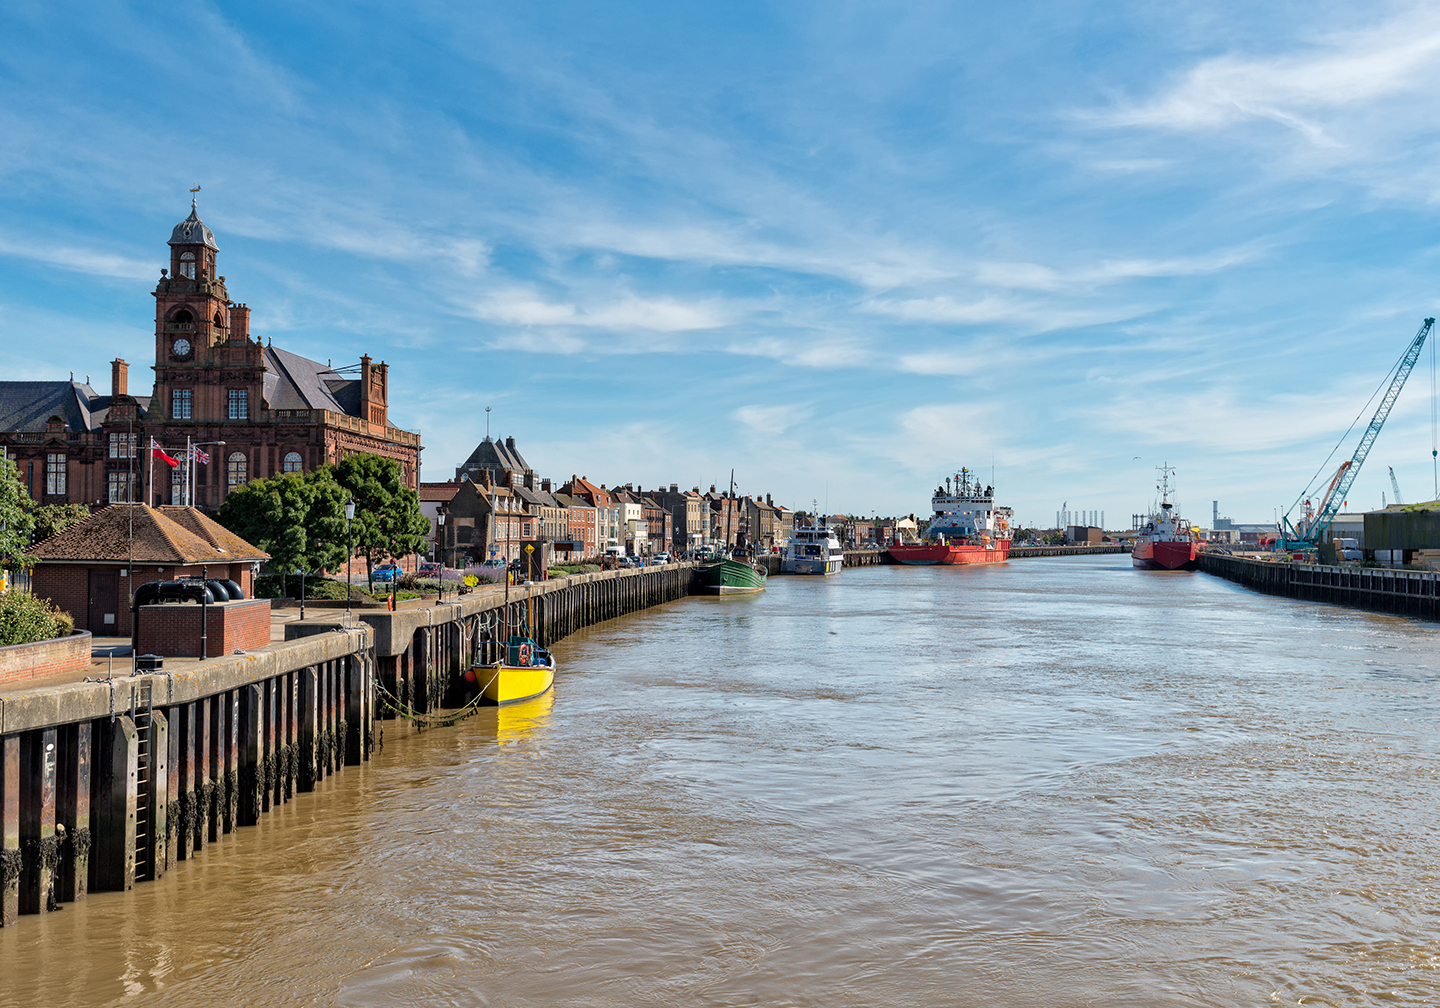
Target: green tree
298	518
17	521
52	519
388	521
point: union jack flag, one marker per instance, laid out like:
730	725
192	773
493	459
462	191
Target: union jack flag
200	455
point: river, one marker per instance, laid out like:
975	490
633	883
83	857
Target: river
1058	782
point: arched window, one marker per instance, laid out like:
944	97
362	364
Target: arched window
183	317
187	265
238	468
292	463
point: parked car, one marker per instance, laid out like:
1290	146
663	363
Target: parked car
662	558
430	569
386	572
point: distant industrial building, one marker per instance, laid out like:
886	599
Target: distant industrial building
1228	530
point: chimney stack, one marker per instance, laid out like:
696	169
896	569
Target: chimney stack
529	480
239	323
118	381
545	485
510	443
674	487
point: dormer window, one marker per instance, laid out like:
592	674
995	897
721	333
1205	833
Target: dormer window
187	265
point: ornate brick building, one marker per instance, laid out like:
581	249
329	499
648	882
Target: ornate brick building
274	411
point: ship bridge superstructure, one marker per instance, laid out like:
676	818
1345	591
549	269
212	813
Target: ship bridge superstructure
964	507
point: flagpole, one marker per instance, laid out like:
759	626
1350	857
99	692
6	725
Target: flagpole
150	474
189	473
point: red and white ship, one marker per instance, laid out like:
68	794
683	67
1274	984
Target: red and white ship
967	527
1165	542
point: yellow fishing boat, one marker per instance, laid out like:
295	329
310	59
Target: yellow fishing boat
528	670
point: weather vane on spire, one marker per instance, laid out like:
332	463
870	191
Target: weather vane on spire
192	198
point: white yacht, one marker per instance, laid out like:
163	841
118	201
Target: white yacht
812	550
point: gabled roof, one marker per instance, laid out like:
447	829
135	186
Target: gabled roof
581	487
166	535
27	405
439	491
537	497
295	382
497	455
571	501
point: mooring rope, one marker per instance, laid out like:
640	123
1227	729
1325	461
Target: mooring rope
397	705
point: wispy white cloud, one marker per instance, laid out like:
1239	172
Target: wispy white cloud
993	309
1034	276
80	260
1297	89
772	419
670	315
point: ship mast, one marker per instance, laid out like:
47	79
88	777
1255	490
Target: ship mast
1165	470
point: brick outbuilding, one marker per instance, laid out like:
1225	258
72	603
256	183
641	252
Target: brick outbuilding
91	569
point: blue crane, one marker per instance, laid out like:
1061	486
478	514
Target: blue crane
1310	529
1395	485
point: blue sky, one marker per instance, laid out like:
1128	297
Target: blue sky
841	247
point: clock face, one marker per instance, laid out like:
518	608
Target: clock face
181	347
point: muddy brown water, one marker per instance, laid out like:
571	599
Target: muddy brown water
1055	783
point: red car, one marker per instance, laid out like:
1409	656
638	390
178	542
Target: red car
430	569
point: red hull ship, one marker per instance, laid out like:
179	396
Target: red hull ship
1165	555
967	527
1166	542
950	553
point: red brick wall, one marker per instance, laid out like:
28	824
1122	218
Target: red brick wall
68	586
173	630
21	662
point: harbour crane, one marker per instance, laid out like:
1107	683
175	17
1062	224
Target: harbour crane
1395	485
1310	530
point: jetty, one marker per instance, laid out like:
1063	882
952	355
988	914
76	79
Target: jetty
109	781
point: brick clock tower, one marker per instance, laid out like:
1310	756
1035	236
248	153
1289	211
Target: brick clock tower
260	410
208	371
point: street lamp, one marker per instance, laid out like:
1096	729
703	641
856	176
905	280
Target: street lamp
350	554
440	551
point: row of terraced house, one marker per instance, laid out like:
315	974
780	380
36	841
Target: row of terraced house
496	504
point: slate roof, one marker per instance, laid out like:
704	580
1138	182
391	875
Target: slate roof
165	535
439	491
192	231
496	455
537	497
295	382
27	405
570	501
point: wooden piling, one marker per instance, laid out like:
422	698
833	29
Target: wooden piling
72	811
112	862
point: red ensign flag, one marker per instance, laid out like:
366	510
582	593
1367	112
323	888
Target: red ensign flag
157	452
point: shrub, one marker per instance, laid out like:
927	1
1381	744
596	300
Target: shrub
25	619
322	589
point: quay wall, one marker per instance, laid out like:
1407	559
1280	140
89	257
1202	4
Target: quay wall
1021	552
108	783
1407	592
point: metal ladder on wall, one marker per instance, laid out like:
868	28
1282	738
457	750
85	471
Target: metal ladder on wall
142	712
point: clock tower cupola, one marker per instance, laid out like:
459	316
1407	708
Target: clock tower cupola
192	311
203	352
